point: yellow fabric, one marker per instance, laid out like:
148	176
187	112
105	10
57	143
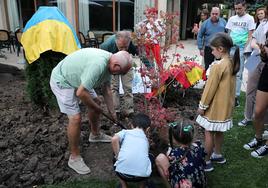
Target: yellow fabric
219	92
48	35
194	75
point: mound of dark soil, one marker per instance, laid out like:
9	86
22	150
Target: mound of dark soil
34	146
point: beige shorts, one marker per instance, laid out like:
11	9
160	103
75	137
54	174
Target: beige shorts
67	100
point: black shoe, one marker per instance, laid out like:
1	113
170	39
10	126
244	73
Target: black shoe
260	152
254	143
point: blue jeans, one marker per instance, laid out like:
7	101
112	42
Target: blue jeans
239	75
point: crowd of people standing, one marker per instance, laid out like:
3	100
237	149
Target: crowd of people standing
250	38
223	45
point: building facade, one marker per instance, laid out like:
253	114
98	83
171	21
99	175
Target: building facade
101	15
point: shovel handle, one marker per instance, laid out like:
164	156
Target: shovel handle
112	120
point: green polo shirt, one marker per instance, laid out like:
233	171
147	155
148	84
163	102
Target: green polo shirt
87	67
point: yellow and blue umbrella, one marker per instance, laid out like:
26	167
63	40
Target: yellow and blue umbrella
48	29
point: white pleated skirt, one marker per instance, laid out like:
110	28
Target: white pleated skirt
214	125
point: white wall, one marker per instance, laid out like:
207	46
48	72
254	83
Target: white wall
139	8
162	5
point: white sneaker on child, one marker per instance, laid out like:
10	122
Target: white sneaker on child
218	158
78	165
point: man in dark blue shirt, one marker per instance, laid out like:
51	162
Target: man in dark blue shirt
211	26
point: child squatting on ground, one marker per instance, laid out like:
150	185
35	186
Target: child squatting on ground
131	149
183	165
217	102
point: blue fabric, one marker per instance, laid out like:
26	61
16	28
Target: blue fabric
49	13
239	75
133	158
190	168
207	30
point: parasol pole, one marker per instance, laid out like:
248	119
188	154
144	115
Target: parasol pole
113	15
118	15
76	13
35	6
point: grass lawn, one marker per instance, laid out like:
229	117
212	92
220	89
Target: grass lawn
240	171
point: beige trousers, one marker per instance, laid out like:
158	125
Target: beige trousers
127	103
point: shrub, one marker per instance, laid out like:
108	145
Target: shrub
38	76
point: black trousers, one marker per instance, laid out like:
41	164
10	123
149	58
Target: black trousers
208	57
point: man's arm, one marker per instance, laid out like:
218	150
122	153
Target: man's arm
254	44
228	26
109	45
83	94
108	98
249	36
200	39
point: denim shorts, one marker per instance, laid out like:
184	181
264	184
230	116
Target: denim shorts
67	100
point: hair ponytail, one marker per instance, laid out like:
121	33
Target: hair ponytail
182	132
236	61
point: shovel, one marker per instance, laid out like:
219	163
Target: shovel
112	120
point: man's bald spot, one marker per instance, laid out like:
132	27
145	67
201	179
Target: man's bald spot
124	60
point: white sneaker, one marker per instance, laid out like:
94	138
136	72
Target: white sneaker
265	135
101	137
244	122
78	165
254	143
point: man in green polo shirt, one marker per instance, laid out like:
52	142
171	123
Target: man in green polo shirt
74	79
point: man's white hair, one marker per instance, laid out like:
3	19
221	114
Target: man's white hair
125	35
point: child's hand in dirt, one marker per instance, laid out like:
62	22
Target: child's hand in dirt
200	111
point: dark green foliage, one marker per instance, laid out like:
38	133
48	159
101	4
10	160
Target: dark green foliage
252	5
257	4
38	76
